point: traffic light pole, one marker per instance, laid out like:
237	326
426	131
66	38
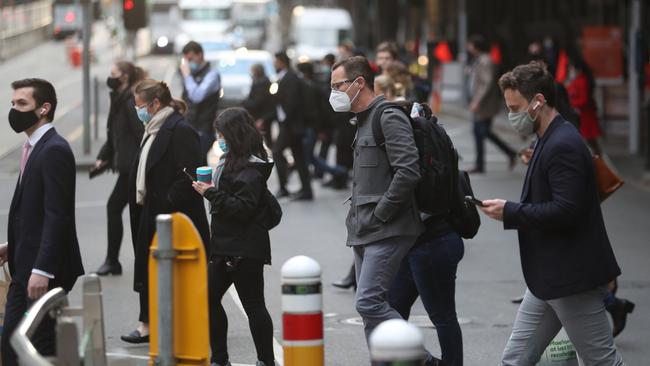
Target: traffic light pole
87	9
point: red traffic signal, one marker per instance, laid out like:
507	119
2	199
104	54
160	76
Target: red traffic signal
134	14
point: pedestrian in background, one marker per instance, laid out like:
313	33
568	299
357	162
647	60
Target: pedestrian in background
260	103
42	247
385	85
240	244
485	102
580	85
201	93
429	272
386	53
567	259
383	221
290	114
158	184
123	136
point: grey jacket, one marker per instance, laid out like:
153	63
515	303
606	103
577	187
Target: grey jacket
383	202
485	88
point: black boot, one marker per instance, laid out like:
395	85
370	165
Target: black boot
349	281
109	267
619	310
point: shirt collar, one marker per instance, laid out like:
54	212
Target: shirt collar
38	134
361	116
281	74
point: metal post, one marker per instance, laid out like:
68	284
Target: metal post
96	106
633	81
462	45
87	6
165	257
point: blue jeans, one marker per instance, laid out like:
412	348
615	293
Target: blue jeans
429	271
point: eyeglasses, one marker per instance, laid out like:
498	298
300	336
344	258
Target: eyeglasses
337	85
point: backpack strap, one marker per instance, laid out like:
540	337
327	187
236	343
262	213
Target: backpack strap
377	133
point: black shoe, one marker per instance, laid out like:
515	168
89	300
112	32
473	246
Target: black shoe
476	171
135	338
619	310
433	361
302	196
109	268
282	193
517	300
345	284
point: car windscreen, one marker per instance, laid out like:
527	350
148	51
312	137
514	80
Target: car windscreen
242	66
206	14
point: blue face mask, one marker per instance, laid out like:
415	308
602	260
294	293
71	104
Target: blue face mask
223	145
194	66
143	114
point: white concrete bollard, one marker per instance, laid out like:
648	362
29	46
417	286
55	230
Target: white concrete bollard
396	342
302	312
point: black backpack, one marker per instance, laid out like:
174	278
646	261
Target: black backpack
442	188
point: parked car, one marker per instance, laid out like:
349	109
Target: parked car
234	67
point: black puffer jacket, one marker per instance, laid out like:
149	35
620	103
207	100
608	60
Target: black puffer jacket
239	210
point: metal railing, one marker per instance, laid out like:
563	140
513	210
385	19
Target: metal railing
68	352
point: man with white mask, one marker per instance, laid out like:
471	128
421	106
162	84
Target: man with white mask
383	221
566	256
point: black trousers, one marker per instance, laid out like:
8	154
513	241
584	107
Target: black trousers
483	130
248	278
17	304
285	140
116	203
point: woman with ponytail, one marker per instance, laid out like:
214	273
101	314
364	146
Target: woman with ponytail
158	184
123	135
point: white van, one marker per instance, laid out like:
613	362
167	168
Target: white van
206	22
316	32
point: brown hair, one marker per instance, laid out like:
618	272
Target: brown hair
530	79
387	85
134	73
356	66
389	47
150	89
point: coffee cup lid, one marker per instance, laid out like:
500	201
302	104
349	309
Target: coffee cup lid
203	170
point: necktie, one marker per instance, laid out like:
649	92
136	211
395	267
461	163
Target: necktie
26	149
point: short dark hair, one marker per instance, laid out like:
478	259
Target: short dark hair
192	46
356	66
282	57
307	69
390	47
530	79
43	93
479	43
330	59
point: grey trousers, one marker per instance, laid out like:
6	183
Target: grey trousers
376	265
584	319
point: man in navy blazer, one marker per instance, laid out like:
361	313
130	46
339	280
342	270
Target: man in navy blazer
42	249
566	256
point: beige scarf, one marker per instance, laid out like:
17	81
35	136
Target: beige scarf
150	132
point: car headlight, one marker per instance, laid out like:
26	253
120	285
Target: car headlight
162	42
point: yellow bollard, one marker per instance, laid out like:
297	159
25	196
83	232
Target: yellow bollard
190	296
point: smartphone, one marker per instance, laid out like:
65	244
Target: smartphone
189	176
474	201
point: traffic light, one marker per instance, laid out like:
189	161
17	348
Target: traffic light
134	14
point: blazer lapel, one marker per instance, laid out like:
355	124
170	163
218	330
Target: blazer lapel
32	157
538	151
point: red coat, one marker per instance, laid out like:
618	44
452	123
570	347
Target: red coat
582	101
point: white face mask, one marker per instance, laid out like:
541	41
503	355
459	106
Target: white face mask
340	101
523	122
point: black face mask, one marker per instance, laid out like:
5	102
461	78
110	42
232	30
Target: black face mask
21	121
113	83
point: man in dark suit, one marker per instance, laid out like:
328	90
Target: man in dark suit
289	111
566	256
42	249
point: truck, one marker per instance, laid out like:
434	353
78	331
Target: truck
316	32
207	22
